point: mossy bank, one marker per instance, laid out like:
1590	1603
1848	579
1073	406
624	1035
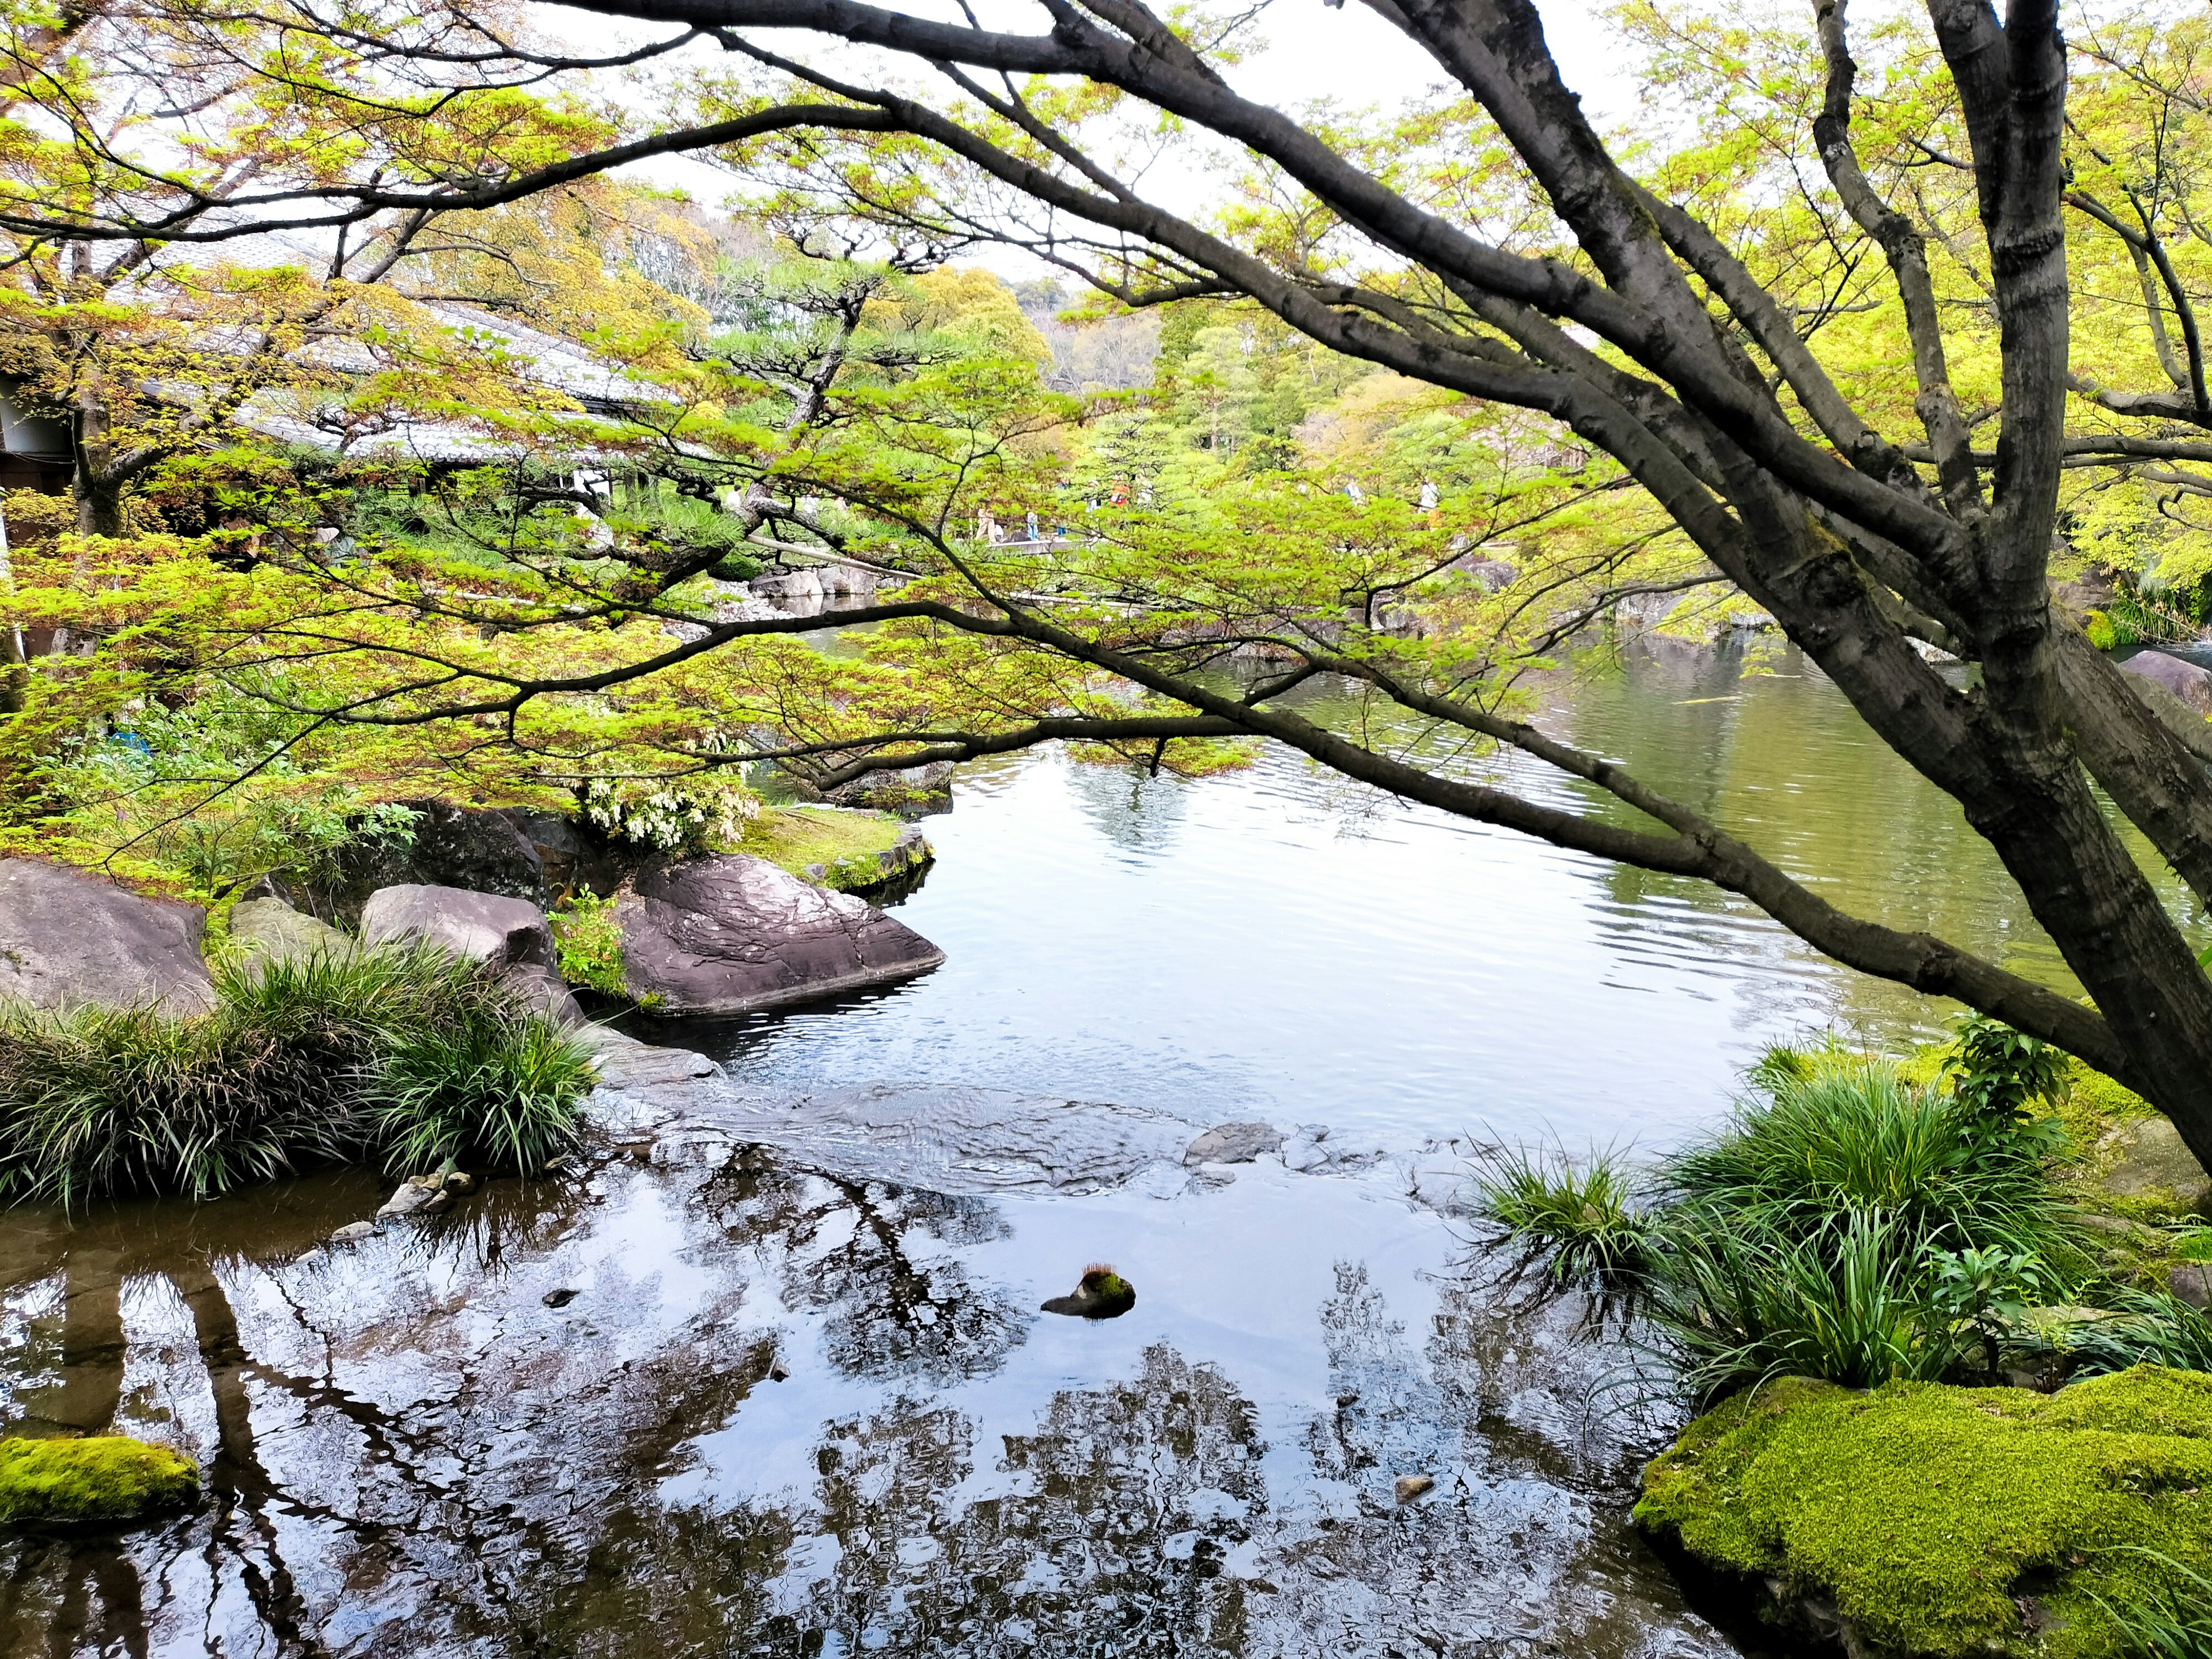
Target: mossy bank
1922	1520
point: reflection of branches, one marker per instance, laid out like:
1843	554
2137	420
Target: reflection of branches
889	1314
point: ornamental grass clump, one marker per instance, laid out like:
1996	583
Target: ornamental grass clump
329	1057
1848	1223
1585	1215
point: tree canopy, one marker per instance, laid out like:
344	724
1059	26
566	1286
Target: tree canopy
1882	330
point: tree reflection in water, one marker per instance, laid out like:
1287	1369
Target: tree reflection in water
409	1453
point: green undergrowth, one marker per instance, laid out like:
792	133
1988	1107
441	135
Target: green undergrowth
1852	1220
404	1057
844	840
589	941
1926	1510
108	1478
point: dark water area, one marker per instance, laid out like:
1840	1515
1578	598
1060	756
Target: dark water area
802	1401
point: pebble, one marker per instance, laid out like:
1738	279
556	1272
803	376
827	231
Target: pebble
1411	1486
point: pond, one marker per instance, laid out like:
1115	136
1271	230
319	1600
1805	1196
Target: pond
800	1398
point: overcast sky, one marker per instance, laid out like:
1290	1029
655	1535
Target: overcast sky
1347	54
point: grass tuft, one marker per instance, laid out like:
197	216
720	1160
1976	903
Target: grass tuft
325	1059
1585	1214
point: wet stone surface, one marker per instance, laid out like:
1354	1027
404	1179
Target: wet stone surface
793	1407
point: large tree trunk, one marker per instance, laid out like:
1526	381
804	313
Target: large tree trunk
93	484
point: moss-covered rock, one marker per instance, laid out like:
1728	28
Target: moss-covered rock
107	1479
841	848
1947	1522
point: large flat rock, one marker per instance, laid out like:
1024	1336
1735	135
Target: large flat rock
729	934
69	940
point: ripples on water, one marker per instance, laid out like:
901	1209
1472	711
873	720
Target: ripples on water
802	1404
1282	944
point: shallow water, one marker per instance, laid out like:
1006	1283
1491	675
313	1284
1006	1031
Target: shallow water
802	1401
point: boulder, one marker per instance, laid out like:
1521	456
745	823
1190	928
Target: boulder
728	933
2155	1165
269	930
69	940
912	791
2093	590
1234	1143
510	935
2188	682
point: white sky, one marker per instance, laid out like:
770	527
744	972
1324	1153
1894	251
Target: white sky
1346	54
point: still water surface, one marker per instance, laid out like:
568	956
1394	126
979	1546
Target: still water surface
802	1401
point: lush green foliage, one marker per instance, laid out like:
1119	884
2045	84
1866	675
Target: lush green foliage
1847	1224
402	1056
1922	1510
589	941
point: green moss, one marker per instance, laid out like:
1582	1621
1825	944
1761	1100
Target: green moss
1922	1510
845	841
109	1478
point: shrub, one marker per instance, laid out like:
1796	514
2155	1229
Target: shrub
698	814
1586	1216
320	1059
1839	1132
1740	1303
590	942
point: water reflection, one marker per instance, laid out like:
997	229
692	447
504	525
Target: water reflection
792	1414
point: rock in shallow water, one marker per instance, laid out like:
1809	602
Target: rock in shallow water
409	1199
730	934
1102	1294
71	941
105	1478
1234	1143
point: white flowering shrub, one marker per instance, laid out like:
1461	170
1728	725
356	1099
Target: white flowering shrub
670	817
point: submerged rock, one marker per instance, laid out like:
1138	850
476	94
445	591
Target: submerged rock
69	940
269	930
103	1478
1411	1486
1102	1294
729	934
1938	1523
352	1232
1234	1143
